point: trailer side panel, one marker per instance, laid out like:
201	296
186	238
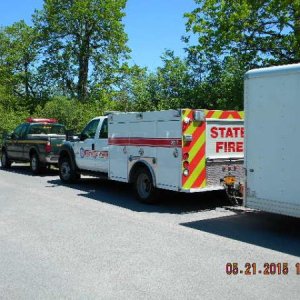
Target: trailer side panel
272	140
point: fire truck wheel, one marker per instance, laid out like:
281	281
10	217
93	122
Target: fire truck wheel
66	173
144	188
35	164
5	162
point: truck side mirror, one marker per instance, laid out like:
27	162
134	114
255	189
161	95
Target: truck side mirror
83	136
71	136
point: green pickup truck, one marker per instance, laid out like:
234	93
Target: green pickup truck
36	141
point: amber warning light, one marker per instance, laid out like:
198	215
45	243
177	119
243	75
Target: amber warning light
40	120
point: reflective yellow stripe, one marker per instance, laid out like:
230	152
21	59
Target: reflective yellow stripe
186	113
193	152
193	177
31	142
217	114
196	178
26	142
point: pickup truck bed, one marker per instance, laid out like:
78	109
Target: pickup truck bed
37	143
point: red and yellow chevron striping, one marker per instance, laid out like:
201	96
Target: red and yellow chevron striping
194	159
227	114
196	151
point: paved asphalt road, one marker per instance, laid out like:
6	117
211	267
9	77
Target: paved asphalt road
93	240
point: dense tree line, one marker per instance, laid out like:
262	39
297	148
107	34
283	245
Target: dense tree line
72	63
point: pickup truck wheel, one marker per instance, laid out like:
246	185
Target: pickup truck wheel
66	172
35	164
5	162
144	188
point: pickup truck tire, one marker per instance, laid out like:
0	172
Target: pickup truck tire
66	173
35	164
5	162
144	188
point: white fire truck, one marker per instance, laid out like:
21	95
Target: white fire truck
180	150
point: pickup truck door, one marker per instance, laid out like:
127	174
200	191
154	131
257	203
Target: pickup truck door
84	152
14	148
101	148
22	142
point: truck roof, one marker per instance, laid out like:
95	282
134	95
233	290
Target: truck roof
278	70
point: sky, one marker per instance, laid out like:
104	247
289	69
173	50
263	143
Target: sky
152	26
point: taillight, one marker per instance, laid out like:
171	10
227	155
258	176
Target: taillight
185	156
48	147
184	126
186	164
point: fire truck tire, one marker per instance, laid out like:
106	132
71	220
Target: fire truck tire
5	162
66	173
35	164
144	188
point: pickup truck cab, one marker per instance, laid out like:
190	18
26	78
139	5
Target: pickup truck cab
86	154
36	141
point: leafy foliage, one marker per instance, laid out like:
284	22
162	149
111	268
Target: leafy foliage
71	112
260	32
83	42
18	57
72	63
235	36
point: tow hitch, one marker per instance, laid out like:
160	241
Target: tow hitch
233	189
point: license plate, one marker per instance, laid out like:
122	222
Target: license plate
229	180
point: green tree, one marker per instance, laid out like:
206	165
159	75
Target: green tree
11	112
70	112
259	32
18	59
235	36
222	88
84	42
175	82
170	86
135	92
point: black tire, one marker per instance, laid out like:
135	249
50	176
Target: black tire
5	162
144	189
35	164
67	173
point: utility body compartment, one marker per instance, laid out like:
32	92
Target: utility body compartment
186	150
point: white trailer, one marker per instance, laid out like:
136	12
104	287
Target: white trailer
272	105
181	150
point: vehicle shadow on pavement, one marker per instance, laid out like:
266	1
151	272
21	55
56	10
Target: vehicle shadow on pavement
25	170
121	194
275	232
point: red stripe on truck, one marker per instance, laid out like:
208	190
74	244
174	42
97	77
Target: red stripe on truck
146	142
